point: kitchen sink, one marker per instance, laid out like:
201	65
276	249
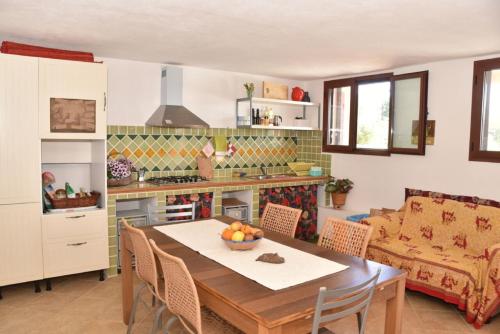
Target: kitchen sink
267	177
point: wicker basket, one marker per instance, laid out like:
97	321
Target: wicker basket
242	245
77	202
120	182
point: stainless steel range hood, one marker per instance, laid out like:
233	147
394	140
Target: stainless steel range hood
171	113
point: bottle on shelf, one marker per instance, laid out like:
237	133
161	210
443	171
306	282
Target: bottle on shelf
257	117
252	116
266	117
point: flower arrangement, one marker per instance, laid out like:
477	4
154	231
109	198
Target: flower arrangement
250	87
119	169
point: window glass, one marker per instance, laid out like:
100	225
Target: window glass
406	113
490	113
373	115
339	116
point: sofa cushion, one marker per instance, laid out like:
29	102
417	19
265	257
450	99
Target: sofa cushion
447	224
452	270
428	222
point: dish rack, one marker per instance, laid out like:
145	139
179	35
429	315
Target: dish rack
300	168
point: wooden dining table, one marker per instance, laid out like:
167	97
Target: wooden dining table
254	308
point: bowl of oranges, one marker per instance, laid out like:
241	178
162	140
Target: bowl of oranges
238	236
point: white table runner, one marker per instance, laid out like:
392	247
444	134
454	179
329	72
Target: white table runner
299	267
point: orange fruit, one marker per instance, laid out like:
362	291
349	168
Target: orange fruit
246	229
227	234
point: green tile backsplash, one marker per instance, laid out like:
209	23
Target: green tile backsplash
164	151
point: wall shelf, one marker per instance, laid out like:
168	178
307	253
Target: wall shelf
281	127
260	100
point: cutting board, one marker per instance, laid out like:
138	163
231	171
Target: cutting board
205	167
274	91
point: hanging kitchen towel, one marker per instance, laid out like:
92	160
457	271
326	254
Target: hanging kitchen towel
220	146
205	168
208	149
231	149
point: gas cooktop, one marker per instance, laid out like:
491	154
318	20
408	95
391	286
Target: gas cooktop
176	179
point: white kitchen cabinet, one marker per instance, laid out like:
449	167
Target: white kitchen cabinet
72	99
87	224
19	141
75	242
75	255
20	243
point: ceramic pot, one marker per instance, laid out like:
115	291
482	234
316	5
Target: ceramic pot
297	94
338	200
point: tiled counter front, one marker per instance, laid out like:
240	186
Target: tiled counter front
161	198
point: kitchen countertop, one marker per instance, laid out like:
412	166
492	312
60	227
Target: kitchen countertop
135	187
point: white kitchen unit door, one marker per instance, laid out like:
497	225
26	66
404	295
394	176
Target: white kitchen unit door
72	99
20	243
19	142
75	242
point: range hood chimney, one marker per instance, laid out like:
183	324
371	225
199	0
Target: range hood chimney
171	113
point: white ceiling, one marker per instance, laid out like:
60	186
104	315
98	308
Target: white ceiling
286	38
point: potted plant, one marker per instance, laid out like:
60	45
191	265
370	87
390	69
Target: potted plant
119	170
339	189
249	87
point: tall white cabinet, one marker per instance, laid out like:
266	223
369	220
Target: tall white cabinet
20	201
36	245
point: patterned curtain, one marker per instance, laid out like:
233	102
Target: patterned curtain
301	197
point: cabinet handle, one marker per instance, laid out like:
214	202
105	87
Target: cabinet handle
77	244
76	217
105	101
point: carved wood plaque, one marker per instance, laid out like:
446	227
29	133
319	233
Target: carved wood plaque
72	115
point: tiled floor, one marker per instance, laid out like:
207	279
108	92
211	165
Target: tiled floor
82	304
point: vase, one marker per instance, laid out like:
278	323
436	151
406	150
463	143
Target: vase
338	200
297	94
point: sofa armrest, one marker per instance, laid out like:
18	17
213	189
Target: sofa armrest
385	226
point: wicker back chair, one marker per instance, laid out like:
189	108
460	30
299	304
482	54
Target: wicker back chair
281	219
345	237
145	267
182	300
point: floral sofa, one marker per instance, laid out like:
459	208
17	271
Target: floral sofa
450	249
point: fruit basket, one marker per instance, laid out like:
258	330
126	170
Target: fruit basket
238	236
242	245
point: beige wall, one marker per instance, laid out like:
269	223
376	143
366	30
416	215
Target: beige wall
380	181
